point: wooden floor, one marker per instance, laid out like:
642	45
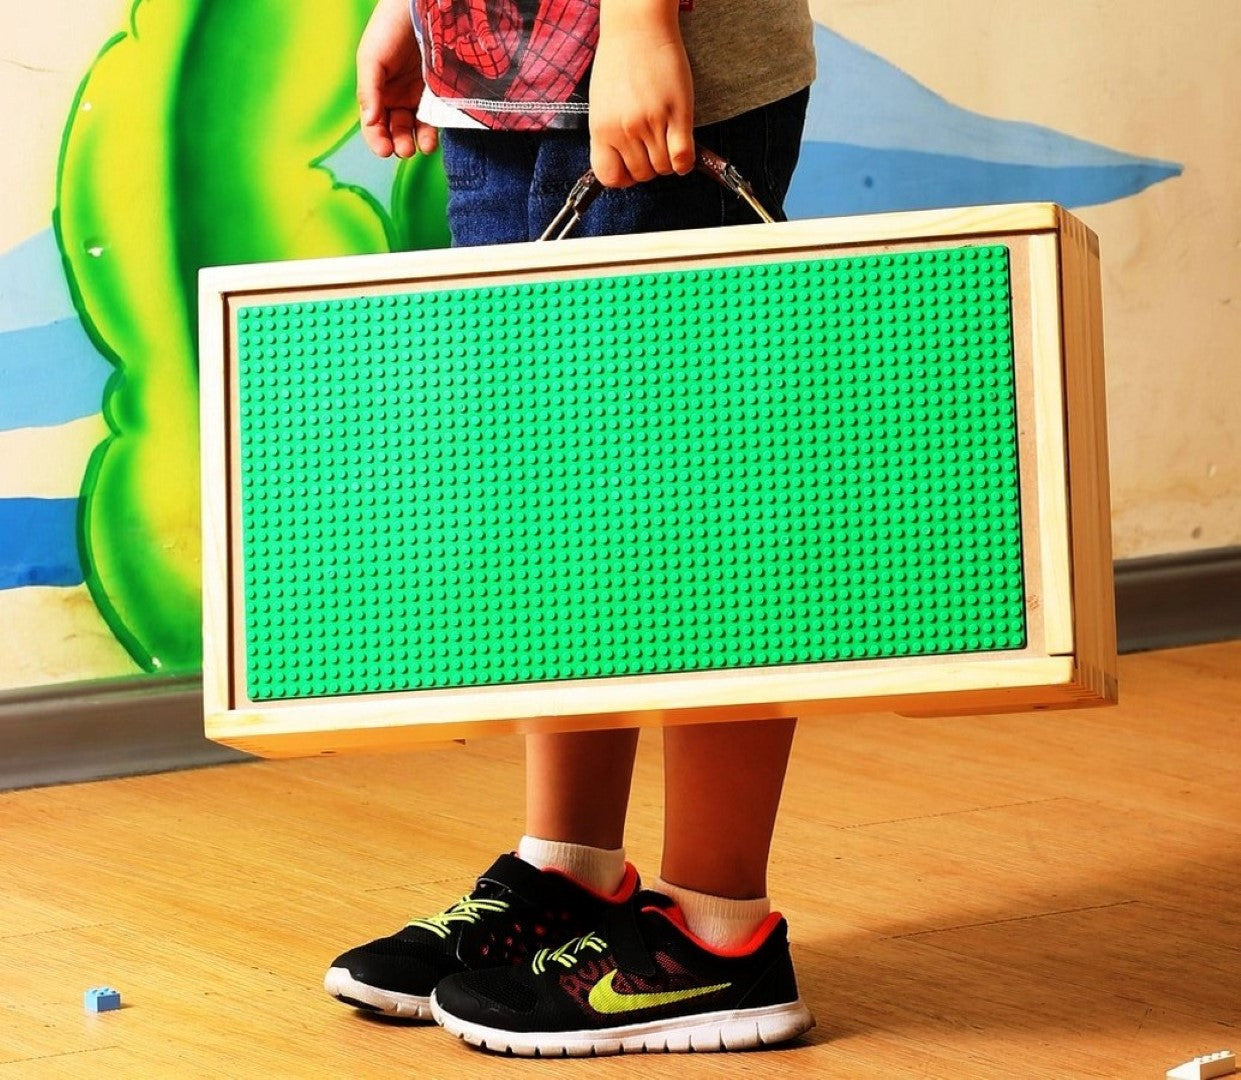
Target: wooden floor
1053	896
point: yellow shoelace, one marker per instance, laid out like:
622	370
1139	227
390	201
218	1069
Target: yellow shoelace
468	909
569	953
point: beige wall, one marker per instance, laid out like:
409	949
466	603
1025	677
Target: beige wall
48	48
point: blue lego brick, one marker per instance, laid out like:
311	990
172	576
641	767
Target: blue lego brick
101	999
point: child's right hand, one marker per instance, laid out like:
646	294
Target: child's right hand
641	94
390	84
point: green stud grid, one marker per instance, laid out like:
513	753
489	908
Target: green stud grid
687	470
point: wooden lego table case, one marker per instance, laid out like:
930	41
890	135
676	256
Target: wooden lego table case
797	469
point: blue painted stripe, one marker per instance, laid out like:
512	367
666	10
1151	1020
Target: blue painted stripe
353	163
32	284
50	374
38	543
834	178
861	99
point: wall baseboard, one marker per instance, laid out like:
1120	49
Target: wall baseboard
1171	600
93	731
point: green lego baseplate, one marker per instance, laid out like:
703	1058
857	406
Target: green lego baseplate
731	466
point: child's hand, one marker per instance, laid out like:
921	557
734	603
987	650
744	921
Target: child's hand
641	94
390	84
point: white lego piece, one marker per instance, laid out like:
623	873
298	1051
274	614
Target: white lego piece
1220	1063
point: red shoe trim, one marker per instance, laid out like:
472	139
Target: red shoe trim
626	889
677	917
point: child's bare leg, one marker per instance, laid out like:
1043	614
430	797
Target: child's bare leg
722	785
577	785
577	796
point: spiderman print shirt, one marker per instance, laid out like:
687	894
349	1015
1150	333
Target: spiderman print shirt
515	65
524	65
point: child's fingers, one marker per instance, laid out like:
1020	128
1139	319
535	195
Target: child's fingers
372	114
426	136
401	126
637	157
609	166
657	153
375	132
681	154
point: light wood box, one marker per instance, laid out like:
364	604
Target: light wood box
1069	654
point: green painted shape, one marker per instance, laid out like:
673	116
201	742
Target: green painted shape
420	204
685	470
193	140
248	164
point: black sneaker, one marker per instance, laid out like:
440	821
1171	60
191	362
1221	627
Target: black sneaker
642	983
514	910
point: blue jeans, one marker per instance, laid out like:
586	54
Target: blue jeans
504	187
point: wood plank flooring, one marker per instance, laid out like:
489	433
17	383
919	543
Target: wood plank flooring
1030	896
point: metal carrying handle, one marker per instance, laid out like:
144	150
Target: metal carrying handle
587	189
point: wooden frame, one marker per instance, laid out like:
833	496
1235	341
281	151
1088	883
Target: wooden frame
1070	657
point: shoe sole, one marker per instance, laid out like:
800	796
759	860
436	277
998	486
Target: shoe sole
344	987
735	1029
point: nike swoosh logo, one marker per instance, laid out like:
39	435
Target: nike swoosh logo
604	999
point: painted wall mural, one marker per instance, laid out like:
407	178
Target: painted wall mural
161	173
877	140
222	131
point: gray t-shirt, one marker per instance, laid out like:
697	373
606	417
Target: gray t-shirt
524	65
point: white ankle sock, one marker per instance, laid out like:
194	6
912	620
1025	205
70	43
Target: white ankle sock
720	921
601	869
